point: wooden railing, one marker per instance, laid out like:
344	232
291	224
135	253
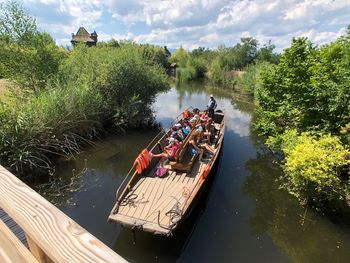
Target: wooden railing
52	236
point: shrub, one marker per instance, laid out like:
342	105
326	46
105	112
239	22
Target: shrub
185	74
250	81
29	57
316	168
95	87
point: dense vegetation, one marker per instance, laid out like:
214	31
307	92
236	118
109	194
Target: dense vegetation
65	98
223	65
304	109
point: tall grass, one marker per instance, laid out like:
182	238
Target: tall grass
95	87
185	74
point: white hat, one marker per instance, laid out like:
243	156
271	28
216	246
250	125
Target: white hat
171	140
211	96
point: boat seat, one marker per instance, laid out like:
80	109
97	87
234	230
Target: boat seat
186	164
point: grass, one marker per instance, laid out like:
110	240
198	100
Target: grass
3	88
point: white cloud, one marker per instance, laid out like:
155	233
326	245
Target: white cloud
200	22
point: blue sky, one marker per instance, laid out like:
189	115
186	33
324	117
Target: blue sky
194	23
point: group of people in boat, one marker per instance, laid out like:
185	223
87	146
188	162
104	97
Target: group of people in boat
201	138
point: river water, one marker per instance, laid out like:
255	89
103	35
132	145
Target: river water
243	217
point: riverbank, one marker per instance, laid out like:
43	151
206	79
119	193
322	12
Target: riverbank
96	89
245	209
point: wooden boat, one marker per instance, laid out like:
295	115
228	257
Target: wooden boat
159	205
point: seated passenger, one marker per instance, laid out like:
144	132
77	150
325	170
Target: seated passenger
169	151
195	117
186	115
186	129
209	131
176	134
193	142
197	142
204	116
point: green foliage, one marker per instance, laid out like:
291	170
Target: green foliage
180	57
55	122
155	55
121	76
309	89
221	65
250	81
28	57
95	88
185	74
216	71
15	24
315	166
266	54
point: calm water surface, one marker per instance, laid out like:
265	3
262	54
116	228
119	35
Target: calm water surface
243	217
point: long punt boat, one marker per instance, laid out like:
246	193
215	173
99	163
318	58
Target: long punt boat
160	204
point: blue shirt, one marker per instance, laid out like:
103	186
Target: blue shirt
212	103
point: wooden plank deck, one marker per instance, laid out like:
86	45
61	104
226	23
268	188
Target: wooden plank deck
157	204
152	197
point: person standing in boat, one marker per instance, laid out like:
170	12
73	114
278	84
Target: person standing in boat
211	106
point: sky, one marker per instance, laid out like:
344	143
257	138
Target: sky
194	23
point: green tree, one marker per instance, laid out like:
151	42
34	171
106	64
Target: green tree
15	24
180	56
28	56
266	53
284	95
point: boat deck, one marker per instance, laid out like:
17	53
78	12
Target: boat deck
158	205
157	202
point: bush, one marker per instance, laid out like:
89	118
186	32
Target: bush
53	123
28	56
316	168
250	81
185	74
95	87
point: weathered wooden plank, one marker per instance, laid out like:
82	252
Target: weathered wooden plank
137	189
144	192
62	239
165	201
11	248
164	192
37	252
175	204
147	226
151	197
157	195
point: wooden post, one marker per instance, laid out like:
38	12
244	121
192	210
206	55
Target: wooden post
11	249
37	252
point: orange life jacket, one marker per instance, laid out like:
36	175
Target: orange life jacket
142	161
205	172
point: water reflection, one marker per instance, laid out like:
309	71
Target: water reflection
303	234
245	217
